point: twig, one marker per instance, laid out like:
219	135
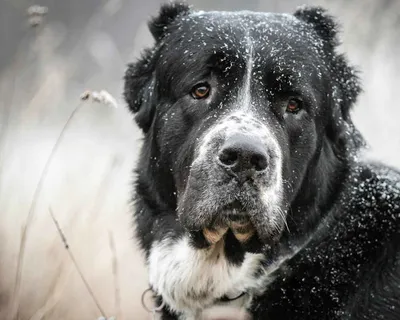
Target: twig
25	229
115	274
64	240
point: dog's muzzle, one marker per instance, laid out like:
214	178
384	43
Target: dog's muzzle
234	184
244	158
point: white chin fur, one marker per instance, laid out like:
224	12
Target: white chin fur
190	280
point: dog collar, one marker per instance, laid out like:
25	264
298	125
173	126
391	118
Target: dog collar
224	300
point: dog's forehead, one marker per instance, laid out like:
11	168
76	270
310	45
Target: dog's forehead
235	30
243	19
243	42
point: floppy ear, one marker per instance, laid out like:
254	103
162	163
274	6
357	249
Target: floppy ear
345	82
139	88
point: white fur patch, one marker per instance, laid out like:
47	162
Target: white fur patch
246	91
190	279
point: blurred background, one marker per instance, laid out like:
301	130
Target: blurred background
85	45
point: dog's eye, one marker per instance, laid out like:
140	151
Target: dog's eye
294	105
201	91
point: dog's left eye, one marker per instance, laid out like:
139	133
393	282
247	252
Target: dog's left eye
201	91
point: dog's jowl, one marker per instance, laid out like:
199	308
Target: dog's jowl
250	190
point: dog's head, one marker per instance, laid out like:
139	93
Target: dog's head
238	109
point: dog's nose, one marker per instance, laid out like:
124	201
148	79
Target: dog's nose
242	152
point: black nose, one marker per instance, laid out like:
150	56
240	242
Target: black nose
243	153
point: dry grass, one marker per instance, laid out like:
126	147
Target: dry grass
117	295
78	160
76	265
15	302
76	172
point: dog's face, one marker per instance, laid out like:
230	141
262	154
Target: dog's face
236	107
243	102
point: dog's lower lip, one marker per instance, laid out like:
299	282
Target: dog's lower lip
243	231
233	217
214	235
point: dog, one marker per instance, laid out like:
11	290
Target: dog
250	188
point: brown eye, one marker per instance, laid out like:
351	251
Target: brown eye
201	91
294	105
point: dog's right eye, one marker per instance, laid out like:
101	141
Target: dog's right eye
201	91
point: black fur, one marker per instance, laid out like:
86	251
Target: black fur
168	14
345	213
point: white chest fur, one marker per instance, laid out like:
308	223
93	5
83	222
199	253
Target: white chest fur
190	280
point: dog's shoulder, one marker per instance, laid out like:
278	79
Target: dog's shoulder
364	243
367	215
373	187
375	202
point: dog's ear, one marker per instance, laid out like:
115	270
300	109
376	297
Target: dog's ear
168	14
345	81
344	76
139	88
323	23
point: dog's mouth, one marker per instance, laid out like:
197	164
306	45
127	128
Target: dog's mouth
213	207
232	217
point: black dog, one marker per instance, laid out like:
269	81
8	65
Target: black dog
249	189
